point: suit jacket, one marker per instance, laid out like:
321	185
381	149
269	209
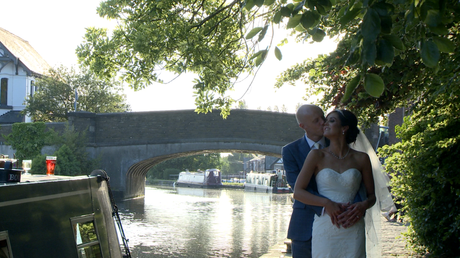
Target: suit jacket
300	226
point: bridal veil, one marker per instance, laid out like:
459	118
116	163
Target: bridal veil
384	202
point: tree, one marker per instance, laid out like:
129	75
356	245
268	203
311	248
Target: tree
219	40
192	163
28	139
56	95
242	105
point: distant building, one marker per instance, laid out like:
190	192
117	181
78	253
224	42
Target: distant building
20	65
263	164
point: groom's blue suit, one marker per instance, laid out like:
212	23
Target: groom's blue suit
300	226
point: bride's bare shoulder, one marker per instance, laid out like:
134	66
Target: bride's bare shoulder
360	155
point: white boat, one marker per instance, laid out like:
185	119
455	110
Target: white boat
266	182
211	178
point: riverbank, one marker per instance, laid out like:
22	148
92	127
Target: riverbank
392	241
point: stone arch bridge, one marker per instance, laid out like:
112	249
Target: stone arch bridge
129	144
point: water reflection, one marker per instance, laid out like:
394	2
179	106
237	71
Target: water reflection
189	222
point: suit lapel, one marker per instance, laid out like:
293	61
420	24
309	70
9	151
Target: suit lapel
304	147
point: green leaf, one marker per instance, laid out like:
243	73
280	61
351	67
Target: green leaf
277	17
258	53
351	86
430	54
249	4
433	18
373	84
269	2
293	21
319	35
349	16
369	52
259	3
444	44
395	41
253	32
261	57
385	51
299	7
278	54
440	30
370	28
286	11
309	19
262	34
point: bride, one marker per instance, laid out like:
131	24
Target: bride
339	171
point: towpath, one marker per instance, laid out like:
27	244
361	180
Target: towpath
393	242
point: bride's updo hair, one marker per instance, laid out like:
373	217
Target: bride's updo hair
348	118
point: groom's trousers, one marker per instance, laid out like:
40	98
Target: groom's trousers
301	249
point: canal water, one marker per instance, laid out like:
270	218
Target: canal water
192	222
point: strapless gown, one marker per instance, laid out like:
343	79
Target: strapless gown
328	240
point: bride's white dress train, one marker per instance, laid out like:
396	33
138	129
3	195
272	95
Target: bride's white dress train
328	241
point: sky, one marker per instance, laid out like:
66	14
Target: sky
54	28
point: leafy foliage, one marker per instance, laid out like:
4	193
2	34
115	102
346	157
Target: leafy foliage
55	96
234	163
192	163
28	139
221	40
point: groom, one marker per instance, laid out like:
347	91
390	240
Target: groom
311	119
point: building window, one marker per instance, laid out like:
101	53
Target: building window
86	237
5	247
4	92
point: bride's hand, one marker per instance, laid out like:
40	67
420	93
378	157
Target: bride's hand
334	209
353	214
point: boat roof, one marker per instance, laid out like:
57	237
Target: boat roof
27	179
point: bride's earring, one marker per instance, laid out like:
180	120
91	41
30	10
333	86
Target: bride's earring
343	132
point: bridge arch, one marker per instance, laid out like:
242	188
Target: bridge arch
128	144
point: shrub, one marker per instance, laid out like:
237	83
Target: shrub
426	176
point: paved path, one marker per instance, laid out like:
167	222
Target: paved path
393	242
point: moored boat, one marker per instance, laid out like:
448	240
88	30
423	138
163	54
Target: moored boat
211	178
60	216
266	182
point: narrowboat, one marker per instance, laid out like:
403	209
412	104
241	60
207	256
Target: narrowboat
59	216
211	178
266	182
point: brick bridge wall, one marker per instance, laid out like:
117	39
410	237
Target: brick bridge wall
129	144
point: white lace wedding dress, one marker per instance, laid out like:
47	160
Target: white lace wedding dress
328	241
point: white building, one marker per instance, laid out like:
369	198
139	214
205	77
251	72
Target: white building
20	65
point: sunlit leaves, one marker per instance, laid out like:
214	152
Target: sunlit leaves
309	19
318	35
374	85
259	57
293	21
350	15
444	45
351	86
278	54
269	2
253	32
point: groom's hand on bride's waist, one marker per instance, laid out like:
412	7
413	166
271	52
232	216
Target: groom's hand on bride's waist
334	214
351	215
